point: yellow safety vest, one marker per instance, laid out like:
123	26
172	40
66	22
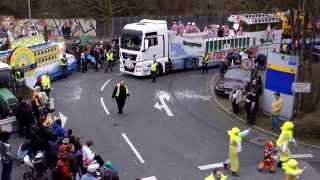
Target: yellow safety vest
154	67
110	56
206	58
45	81
118	90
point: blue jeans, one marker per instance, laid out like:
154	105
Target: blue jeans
275	121
6	170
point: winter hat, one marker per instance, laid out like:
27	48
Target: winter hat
288	125
290	165
108	164
92	168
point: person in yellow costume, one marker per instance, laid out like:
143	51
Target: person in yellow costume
235	137
292	171
282	143
216	175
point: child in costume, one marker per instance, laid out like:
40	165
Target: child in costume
267	162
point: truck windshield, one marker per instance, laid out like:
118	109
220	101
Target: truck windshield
131	40
6	80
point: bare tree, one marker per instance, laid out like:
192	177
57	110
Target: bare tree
100	9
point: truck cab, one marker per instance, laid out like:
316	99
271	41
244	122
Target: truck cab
141	43
8	91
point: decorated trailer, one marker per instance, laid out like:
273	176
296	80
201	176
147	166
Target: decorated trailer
34	57
146	40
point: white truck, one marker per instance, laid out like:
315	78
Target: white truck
142	42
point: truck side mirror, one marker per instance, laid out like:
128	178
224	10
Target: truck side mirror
146	44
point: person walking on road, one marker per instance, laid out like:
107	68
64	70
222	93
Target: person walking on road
291	169
235	146
46	83
64	66
205	62
234	142
154	70
286	136
110	61
276	107
120	93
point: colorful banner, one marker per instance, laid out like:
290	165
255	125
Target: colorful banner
27	41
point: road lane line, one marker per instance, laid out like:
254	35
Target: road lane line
105	84
133	148
214	165
149	178
300	156
104	106
210	166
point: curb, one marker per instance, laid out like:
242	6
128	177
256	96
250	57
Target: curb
214	97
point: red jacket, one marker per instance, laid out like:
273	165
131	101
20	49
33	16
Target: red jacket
64	170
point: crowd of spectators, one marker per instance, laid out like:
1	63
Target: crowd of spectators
49	148
94	55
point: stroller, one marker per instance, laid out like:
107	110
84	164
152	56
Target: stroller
36	164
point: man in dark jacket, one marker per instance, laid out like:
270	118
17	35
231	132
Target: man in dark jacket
120	93
24	117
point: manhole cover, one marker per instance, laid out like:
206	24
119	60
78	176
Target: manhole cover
115	124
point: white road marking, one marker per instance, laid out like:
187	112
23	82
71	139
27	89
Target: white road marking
63	119
104	106
163	106
300	156
133	148
149	178
188	94
105	84
213	166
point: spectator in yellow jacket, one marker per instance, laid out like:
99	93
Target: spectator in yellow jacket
276	107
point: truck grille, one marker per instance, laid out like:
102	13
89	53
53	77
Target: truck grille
132	57
130	70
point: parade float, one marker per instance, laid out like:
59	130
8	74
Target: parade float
33	56
146	40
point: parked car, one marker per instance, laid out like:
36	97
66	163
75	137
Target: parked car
232	78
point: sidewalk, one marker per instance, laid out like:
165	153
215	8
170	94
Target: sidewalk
263	122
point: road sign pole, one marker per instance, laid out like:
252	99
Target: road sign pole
299	106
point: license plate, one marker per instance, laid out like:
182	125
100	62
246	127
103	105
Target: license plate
129	64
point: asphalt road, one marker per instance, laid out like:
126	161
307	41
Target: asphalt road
167	147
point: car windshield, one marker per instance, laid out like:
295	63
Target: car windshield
5	79
238	74
131	40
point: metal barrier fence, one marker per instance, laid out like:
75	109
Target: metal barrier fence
119	22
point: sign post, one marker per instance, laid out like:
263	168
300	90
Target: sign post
301	88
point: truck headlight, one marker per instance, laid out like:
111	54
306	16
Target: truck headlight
138	67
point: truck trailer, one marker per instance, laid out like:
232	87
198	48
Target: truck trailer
146	40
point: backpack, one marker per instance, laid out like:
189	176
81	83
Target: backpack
56	174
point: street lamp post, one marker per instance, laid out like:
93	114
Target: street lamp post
29	12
